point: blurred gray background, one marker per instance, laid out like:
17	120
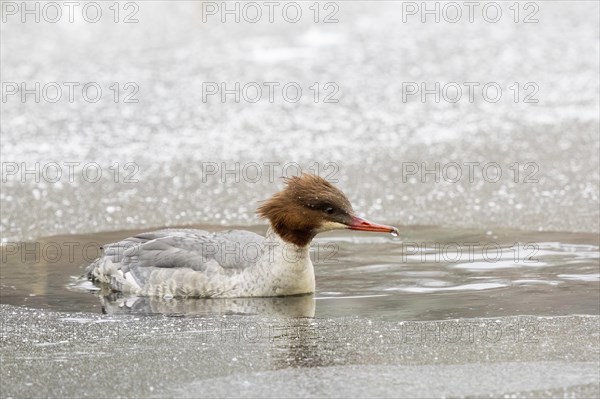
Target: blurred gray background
368	140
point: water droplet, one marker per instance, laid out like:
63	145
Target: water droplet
394	233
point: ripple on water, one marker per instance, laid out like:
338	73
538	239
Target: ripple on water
373	278
464	287
496	265
534	282
581	277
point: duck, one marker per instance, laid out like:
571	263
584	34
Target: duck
193	263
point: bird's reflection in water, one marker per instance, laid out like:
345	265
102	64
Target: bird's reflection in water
290	306
305	343
294	336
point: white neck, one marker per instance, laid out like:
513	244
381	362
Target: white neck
283	269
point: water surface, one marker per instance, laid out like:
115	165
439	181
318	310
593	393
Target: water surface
428	273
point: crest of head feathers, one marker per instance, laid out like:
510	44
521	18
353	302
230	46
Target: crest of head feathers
299	211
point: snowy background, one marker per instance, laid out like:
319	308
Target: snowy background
375	140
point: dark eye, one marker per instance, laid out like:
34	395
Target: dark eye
329	210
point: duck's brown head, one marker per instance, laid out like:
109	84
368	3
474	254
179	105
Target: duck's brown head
309	205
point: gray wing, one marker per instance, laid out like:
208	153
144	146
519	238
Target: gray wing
139	256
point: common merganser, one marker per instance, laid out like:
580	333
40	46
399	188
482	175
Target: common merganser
235	263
